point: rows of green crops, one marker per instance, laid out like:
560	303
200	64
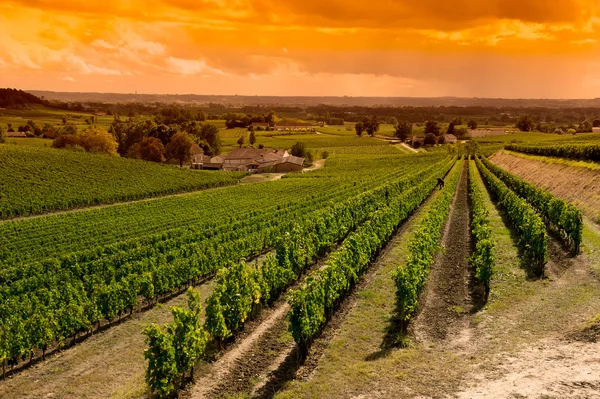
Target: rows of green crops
61	275
39	179
241	288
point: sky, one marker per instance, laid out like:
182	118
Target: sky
423	48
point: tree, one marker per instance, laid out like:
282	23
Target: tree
69	128
472	124
96	139
3	135
252	139
441	139
180	148
525	123
430	138
298	150
393	121
241	141
461	132
432	127
585	127
403	130
360	128
151	149
371	125
450	128
596	123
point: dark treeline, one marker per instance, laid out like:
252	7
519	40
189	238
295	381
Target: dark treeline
13	98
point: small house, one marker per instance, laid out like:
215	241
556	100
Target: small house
451	139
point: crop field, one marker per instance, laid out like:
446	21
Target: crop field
37	179
41	115
367	277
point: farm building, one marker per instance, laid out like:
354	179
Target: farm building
16	134
596	129
262	160
451	139
294	126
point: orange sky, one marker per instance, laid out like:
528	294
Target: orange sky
474	48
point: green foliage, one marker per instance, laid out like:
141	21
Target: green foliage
314	302
359	128
189	338
81	268
565	218
533	238
172	354
36	180
580	151
403	130
525	124
3	135
422	247
483	257
432	127
161	373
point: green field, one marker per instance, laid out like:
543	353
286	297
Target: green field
324	243
54	116
38	179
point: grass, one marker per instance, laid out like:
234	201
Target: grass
38	179
111	364
519	314
41	114
556	160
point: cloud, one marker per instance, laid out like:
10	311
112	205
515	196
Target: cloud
191	67
68	78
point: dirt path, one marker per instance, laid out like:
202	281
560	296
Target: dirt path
316	166
409	148
264	361
446	296
550	370
534	339
233	372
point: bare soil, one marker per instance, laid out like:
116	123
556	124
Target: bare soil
533	339
263	361
446	299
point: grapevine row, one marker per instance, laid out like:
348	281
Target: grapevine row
533	239
314	303
241	288
585	152
565	218
50	301
483	257
422	247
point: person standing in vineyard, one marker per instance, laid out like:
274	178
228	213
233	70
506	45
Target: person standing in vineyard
440	183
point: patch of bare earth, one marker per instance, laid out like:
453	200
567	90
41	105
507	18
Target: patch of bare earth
264	360
550	369
578	185
446	299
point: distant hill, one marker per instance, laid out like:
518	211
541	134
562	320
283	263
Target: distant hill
13	98
241	101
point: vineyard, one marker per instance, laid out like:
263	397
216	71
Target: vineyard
579	151
351	273
37	179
